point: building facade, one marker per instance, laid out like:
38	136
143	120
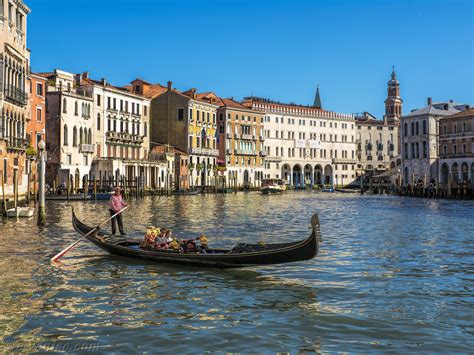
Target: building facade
69	130
456	148
14	103
376	144
188	121
306	145
36	126
420	140
121	121
241	143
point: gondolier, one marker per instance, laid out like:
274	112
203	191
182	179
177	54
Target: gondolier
117	204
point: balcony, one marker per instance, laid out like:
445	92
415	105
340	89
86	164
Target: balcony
136	116
248	137
229	151
229	135
86	148
343	161
274	159
261	138
246	152
262	153
204	151
15	95
368	146
124	137
17	143
391	147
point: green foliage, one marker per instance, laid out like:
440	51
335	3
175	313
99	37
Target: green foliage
31	151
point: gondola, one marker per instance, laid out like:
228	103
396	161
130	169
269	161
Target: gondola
241	255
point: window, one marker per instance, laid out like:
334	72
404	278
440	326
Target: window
69	159
74	137
76	108
425	149
144	129
64	105
145	110
39	89
109	106
405	129
424	127
98	100
181	114
98	121
39	112
65	134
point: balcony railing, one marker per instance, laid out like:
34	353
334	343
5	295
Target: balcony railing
86	148
248	137
124	137
246	152
17	143
204	151
262	153
15	95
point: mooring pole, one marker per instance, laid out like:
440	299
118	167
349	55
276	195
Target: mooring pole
42	176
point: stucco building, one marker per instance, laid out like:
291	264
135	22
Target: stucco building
69	128
14	103
36	126
306	145
241	143
456	148
376	144
185	120
420	140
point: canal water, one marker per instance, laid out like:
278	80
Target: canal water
393	274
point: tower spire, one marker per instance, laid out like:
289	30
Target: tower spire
393	102
317	99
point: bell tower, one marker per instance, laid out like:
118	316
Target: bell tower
393	102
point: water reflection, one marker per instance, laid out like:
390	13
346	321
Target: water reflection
393	274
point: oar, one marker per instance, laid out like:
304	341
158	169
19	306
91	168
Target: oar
61	253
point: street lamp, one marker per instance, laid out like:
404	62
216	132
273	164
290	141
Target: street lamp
41	180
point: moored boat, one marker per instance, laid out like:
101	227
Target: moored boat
241	255
272	186
348	191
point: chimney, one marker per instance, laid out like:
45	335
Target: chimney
170	85
103	81
85	75
451	101
193	93
430	100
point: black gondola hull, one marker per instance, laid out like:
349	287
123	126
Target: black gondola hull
269	254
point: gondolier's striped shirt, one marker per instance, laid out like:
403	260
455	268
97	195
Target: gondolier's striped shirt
117	203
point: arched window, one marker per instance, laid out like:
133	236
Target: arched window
76	109
81	136
89	138
98	121
405	129
74	137
144	129
424	127
64	105
65	133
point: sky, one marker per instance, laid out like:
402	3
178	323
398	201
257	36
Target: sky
270	48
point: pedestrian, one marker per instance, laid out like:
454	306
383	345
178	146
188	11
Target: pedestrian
117	204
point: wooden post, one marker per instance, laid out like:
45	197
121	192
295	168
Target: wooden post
85	187
68	186
28	188
54	186
34	189
3	196
136	186
95	190
15	188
